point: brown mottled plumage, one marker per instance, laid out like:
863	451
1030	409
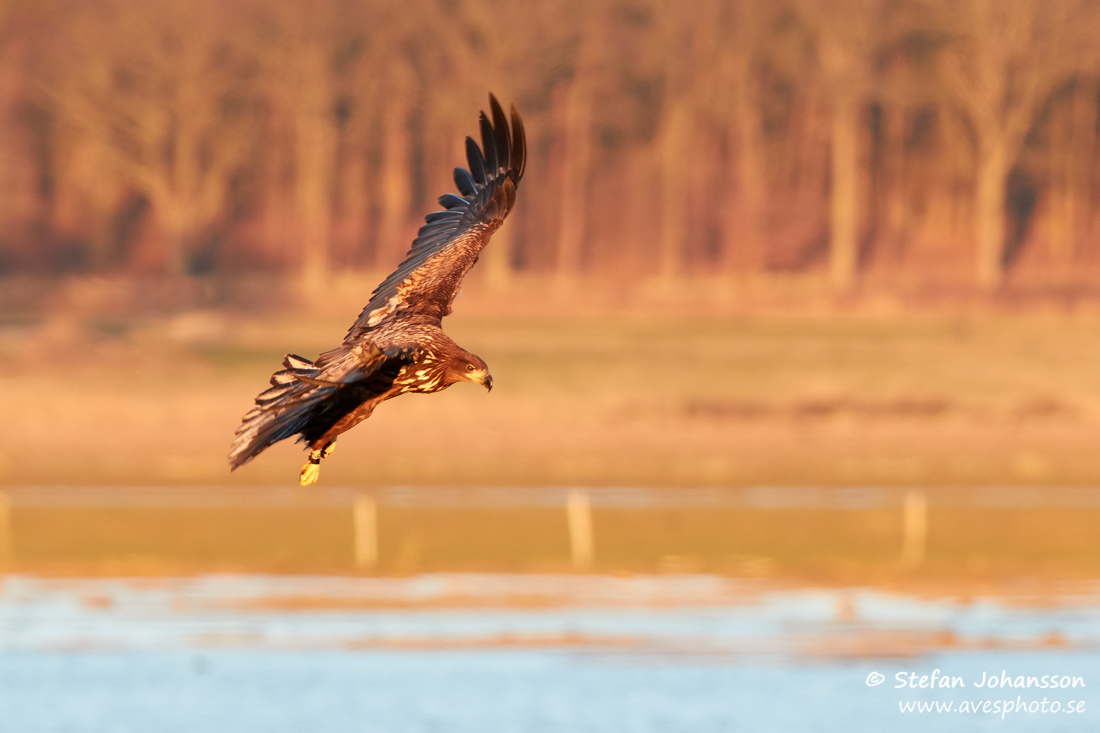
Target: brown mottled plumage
397	345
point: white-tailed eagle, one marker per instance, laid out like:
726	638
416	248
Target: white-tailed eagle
397	345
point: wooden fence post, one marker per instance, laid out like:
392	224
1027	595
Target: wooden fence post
579	514
914	528
365	519
7	536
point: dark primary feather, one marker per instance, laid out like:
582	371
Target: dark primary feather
466	186
446	246
477	163
448	201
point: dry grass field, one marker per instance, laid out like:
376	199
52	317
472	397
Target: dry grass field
603	397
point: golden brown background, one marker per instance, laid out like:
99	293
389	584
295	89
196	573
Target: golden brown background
849	244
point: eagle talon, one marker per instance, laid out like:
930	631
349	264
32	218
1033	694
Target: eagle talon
312	470
310	473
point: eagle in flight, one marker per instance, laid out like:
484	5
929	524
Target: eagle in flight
397	345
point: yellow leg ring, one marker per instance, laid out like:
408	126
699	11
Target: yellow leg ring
312	470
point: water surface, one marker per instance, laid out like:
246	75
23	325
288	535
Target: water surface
485	652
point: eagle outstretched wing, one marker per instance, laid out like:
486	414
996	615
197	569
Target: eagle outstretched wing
448	244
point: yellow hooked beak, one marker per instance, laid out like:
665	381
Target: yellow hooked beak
480	376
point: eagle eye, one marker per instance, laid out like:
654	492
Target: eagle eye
469	367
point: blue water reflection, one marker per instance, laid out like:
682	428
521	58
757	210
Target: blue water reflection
459	653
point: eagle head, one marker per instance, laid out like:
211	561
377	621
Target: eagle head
467	367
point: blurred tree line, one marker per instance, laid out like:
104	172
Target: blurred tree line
952	141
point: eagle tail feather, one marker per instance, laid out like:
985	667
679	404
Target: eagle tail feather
281	411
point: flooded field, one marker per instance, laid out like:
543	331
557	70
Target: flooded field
938	539
548	610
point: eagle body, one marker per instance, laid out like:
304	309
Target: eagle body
397	345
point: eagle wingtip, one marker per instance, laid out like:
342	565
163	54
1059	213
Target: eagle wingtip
518	154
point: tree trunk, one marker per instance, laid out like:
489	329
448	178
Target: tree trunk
314	153
742	230
313	184
575	112
497	258
892	230
172	217
990	213
396	184
675	139
843	195
1073	153
313	198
